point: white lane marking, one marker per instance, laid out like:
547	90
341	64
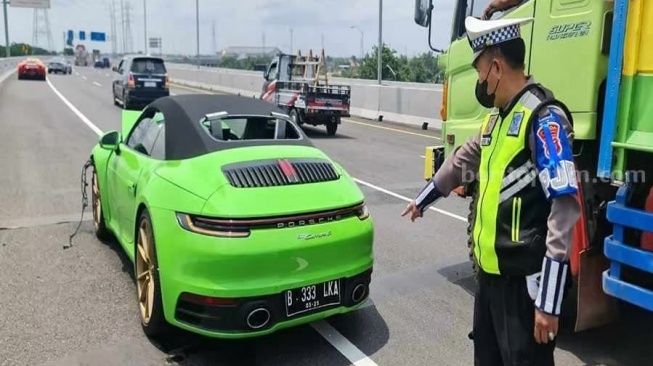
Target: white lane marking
83	77
422	156
97	84
173	94
74	109
397	195
344	346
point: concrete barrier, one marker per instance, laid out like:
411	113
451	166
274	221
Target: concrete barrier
8	66
409	103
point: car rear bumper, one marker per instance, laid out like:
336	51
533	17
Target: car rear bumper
146	95
32	73
255	272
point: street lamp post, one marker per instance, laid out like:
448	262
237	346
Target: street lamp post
362	38
291	39
197	30
145	25
380	49
7	49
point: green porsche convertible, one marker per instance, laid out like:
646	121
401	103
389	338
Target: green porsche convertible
236	224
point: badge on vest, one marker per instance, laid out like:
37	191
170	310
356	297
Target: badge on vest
490	125
515	124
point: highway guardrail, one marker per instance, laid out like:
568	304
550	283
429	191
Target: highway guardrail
410	103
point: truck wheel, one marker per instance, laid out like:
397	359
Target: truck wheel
332	127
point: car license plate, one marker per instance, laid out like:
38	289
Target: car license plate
312	297
150	84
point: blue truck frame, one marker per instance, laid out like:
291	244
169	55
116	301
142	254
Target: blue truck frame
618	213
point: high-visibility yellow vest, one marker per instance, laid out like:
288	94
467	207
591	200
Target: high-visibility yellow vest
510	220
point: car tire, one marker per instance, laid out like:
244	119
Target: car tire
99	224
146	272
125	101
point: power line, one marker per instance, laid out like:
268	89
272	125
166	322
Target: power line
114	36
41	30
129	43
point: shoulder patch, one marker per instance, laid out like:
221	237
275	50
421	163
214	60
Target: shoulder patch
490	125
549	129
515	124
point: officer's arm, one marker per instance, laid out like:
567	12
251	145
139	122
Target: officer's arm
551	142
460	167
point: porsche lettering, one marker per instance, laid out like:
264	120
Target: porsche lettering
296	223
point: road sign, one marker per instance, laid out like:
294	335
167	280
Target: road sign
70	37
98	36
155	42
34	4
82	35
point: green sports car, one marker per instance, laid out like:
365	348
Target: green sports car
236	224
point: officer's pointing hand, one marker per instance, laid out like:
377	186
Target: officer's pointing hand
413	210
546	327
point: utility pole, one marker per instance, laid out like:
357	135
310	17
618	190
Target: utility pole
362	41
145	26
213	40
197	30
323	41
263	50
291	39
114	31
128	27
7	50
380	49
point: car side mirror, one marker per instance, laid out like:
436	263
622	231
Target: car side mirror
110	140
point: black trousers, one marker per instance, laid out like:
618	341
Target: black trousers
504	319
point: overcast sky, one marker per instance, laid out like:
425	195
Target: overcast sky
243	23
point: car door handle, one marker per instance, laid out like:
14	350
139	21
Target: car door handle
132	188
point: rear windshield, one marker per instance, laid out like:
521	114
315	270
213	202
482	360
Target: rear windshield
148	65
251	128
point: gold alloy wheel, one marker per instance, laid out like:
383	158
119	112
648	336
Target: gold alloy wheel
97	203
144	271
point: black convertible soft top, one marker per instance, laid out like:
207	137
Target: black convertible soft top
185	137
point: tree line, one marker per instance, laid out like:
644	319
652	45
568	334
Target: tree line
24	49
422	68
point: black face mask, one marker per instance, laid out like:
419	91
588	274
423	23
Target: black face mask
482	96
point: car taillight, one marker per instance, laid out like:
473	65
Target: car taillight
130	81
166	82
443	108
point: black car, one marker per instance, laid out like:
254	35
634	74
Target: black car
59	66
140	80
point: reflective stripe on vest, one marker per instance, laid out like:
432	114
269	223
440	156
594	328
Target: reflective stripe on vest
508	232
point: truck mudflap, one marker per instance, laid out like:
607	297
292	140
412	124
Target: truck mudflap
622	255
594	308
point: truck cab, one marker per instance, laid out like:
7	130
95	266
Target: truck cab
594	56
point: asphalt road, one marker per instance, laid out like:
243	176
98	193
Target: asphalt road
77	306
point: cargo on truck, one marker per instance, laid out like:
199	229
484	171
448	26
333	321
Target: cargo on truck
81	55
596	60
300	85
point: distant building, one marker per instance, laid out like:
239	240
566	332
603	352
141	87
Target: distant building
245	52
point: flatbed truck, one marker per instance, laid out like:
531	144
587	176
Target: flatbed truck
300	86
596	57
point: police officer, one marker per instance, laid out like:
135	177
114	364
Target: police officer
527	204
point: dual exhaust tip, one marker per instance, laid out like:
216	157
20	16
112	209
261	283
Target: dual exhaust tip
260	317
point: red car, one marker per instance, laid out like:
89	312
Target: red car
31	68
